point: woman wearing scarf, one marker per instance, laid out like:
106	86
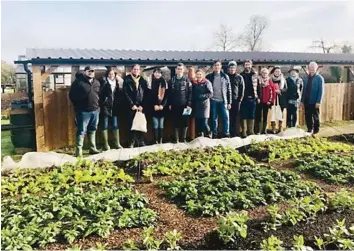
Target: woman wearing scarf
202	92
109	102
265	95
280	88
134	87
159	100
293	94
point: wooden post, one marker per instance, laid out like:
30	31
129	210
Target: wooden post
38	108
71	118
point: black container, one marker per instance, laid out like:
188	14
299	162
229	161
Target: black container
22	138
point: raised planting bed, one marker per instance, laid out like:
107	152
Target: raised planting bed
189	161
33	221
332	168
84	174
214	193
346	138
292	148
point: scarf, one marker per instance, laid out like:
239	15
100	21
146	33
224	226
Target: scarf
264	82
112	84
136	80
294	79
279	79
162	86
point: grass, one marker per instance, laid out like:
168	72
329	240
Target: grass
6	145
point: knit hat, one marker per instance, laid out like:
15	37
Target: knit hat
232	63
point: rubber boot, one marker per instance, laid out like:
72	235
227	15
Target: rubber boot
79	145
160	138
280	126
105	140
243	128
257	127
156	136
176	135
92	142
141	141
250	126
184	135
117	144
133	139
273	127
264	128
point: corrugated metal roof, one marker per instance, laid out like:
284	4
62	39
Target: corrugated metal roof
146	55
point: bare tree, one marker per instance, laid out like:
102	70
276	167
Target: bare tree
225	38
252	36
321	44
346	49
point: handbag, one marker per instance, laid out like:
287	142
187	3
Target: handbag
139	122
277	114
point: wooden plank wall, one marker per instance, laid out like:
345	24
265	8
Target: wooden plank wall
59	126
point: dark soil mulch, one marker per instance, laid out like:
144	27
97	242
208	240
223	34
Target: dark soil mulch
345	138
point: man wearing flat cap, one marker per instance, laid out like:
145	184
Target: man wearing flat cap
84	94
293	96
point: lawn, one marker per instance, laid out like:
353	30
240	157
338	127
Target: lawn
297	194
6	145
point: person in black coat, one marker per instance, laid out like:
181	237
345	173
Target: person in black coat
134	87
109	103
237	92
84	94
180	98
159	101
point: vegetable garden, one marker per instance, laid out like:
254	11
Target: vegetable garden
288	194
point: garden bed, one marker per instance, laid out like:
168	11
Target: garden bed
184	195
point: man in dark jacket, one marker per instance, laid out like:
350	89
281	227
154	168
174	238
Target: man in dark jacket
250	100
180	98
221	100
237	92
134	87
293	96
84	94
311	99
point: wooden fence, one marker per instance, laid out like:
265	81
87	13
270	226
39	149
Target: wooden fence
59	126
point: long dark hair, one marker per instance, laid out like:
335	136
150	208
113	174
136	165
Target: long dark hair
109	70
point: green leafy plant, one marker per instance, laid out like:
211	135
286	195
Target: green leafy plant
171	238
232	226
272	243
149	241
299	244
129	245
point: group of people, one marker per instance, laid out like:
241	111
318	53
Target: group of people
230	95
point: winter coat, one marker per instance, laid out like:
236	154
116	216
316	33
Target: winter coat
251	84
109	101
133	95
225	86
280	84
317	90
202	92
293	94
265	92
156	86
237	87
180	92
85	95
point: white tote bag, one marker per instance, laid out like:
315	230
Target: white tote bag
276	112
139	122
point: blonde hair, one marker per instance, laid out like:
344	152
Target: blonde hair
264	70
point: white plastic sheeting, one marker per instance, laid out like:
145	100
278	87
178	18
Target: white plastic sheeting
48	159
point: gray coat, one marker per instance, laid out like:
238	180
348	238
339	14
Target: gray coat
202	92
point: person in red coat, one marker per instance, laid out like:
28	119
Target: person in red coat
265	101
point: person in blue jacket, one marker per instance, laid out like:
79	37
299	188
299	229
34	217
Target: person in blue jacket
311	99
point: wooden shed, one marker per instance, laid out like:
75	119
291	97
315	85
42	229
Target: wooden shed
53	112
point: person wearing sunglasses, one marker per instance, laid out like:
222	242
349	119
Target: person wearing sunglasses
84	94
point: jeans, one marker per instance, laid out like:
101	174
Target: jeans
312	117
248	108
86	121
219	107
157	122
114	121
291	116
201	125
235	109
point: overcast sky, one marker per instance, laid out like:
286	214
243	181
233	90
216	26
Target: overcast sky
167	25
